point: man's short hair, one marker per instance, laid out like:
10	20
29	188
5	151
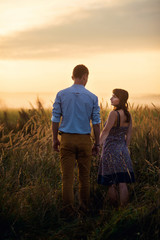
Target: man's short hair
80	70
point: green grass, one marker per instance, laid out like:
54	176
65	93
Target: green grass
30	182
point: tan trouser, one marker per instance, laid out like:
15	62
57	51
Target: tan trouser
75	147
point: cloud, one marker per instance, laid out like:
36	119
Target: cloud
18	15
130	26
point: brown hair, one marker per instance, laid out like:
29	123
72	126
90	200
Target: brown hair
80	70
123	97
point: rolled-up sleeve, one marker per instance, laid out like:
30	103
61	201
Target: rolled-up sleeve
56	111
96	112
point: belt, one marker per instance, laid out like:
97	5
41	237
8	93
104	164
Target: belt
60	133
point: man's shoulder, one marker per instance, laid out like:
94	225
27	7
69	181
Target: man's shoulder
64	90
91	94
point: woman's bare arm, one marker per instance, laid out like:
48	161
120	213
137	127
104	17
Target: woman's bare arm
110	123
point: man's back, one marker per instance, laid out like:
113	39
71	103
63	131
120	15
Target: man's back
77	106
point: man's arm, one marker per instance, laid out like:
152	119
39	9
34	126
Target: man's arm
56	143
56	115
96	126
96	130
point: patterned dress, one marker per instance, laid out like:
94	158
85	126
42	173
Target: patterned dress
115	165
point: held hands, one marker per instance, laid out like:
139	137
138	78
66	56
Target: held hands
56	144
95	149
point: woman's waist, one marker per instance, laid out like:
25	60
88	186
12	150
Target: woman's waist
118	139
119	135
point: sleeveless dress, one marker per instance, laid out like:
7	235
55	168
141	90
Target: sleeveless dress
115	164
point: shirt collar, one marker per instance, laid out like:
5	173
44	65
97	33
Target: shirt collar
78	85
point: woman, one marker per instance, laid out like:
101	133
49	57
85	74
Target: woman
115	168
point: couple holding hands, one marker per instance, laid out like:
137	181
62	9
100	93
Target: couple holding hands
73	109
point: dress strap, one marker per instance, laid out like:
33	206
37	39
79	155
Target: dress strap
118	119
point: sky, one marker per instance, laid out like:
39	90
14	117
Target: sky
41	41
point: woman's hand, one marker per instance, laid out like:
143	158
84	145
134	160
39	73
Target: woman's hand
101	140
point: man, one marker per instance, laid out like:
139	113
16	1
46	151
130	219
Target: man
77	106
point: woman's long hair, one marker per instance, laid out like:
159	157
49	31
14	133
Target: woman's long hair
123	97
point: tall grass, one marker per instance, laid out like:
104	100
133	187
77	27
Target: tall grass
30	182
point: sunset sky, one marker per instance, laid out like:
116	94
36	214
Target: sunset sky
42	40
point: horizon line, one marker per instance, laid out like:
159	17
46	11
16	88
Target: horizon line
48	92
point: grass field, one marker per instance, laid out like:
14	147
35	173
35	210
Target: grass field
30	182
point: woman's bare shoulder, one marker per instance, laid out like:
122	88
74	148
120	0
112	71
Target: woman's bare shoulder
112	113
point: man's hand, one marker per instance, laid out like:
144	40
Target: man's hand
56	144
95	150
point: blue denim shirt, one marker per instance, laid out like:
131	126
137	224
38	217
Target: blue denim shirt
77	106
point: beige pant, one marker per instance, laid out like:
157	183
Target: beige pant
75	147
